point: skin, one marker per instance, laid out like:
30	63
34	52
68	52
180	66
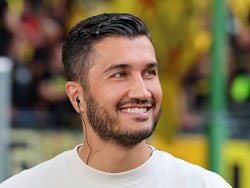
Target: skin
124	69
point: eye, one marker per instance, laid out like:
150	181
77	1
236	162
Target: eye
151	72
118	75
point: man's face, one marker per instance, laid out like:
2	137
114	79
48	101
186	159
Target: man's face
124	96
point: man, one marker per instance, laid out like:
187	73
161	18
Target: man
113	84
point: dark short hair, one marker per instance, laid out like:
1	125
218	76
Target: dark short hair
78	46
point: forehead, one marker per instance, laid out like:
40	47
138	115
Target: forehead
123	50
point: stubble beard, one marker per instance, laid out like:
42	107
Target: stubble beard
106	125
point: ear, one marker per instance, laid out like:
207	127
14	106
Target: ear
74	90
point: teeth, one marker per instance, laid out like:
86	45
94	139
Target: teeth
135	110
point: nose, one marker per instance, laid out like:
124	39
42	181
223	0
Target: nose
138	89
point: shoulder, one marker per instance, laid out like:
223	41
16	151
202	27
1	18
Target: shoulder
190	173
39	174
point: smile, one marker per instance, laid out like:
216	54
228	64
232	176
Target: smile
135	110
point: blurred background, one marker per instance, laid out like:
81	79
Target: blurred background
204	70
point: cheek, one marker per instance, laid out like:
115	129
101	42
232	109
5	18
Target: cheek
156	92
108	97
160	91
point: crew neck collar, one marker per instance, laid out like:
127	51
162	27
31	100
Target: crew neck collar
140	173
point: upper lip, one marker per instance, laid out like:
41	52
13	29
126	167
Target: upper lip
134	103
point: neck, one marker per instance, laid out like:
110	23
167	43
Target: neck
112	158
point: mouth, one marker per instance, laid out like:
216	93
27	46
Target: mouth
136	107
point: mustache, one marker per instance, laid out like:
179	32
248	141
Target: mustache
136	102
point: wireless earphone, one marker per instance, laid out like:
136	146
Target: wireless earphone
78	100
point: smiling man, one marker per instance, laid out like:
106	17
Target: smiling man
113	84
123	96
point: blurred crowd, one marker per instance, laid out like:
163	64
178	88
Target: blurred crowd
196	83
33	41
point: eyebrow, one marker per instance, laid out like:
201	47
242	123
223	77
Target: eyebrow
124	65
151	65
117	66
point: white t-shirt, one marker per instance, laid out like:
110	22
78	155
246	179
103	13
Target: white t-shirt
162	170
